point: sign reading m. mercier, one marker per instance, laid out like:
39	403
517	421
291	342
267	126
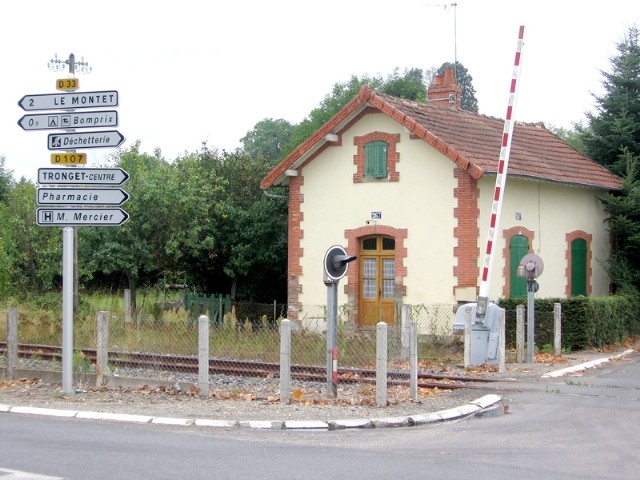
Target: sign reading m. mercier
63	101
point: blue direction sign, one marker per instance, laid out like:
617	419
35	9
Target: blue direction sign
73	140
82	176
82	196
49	121
69	217
69	101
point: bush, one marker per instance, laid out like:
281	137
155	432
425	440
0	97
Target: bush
586	321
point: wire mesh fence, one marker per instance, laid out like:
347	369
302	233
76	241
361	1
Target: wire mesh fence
161	340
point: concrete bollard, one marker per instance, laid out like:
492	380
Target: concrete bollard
203	356
285	361
381	364
12	343
102	346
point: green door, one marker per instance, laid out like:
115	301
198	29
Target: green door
578	267
518	248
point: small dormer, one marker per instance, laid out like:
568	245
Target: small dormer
444	91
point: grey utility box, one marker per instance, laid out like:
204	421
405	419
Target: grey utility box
485	333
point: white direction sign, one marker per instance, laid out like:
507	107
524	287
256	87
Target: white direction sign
82	176
73	140
69	217
68	101
82	196
48	121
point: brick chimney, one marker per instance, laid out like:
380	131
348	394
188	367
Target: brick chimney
444	91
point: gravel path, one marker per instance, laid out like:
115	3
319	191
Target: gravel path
244	399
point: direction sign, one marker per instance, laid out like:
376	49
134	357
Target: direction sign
72	140
69	217
82	196
82	176
48	121
66	101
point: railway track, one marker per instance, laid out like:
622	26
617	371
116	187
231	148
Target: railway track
252	368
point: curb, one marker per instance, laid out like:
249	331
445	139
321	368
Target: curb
472	408
584	366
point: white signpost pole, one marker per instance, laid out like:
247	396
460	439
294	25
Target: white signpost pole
67	309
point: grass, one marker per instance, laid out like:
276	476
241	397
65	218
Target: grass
175	332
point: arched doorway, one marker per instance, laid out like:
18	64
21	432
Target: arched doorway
518	248
376	297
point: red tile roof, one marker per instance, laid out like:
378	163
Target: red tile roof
470	140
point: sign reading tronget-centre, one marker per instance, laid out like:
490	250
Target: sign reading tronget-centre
82	176
64	101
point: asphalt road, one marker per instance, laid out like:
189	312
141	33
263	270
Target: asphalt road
585	427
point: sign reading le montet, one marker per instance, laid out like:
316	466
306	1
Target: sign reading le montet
64	101
56	217
48	121
82	176
72	140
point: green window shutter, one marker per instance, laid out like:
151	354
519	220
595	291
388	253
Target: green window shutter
518	248
375	159
578	267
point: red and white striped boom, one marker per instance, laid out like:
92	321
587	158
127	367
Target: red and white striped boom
501	178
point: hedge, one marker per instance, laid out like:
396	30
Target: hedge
586	321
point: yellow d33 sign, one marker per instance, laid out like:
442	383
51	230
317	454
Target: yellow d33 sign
70	158
68	84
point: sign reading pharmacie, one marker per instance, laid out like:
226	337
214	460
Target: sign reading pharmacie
81	196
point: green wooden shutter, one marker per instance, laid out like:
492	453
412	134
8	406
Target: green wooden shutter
578	267
375	159
518	248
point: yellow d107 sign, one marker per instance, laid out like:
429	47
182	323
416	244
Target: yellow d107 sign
70	158
68	84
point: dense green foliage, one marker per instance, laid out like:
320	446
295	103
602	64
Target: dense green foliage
586	321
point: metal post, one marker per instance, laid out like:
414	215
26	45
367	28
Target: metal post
285	361
467	337
557	329
102	346
12	343
381	364
530	322
203	355
413	360
332	339
67	310
520	333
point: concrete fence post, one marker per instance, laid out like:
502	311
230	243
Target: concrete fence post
520	333
413	360
203	356
127	305
285	361
102	346
12	343
557	329
381	364
467	337
405	336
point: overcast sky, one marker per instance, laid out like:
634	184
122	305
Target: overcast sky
191	71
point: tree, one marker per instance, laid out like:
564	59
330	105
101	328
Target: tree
6	179
469	100
612	138
410	85
268	139
615	127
